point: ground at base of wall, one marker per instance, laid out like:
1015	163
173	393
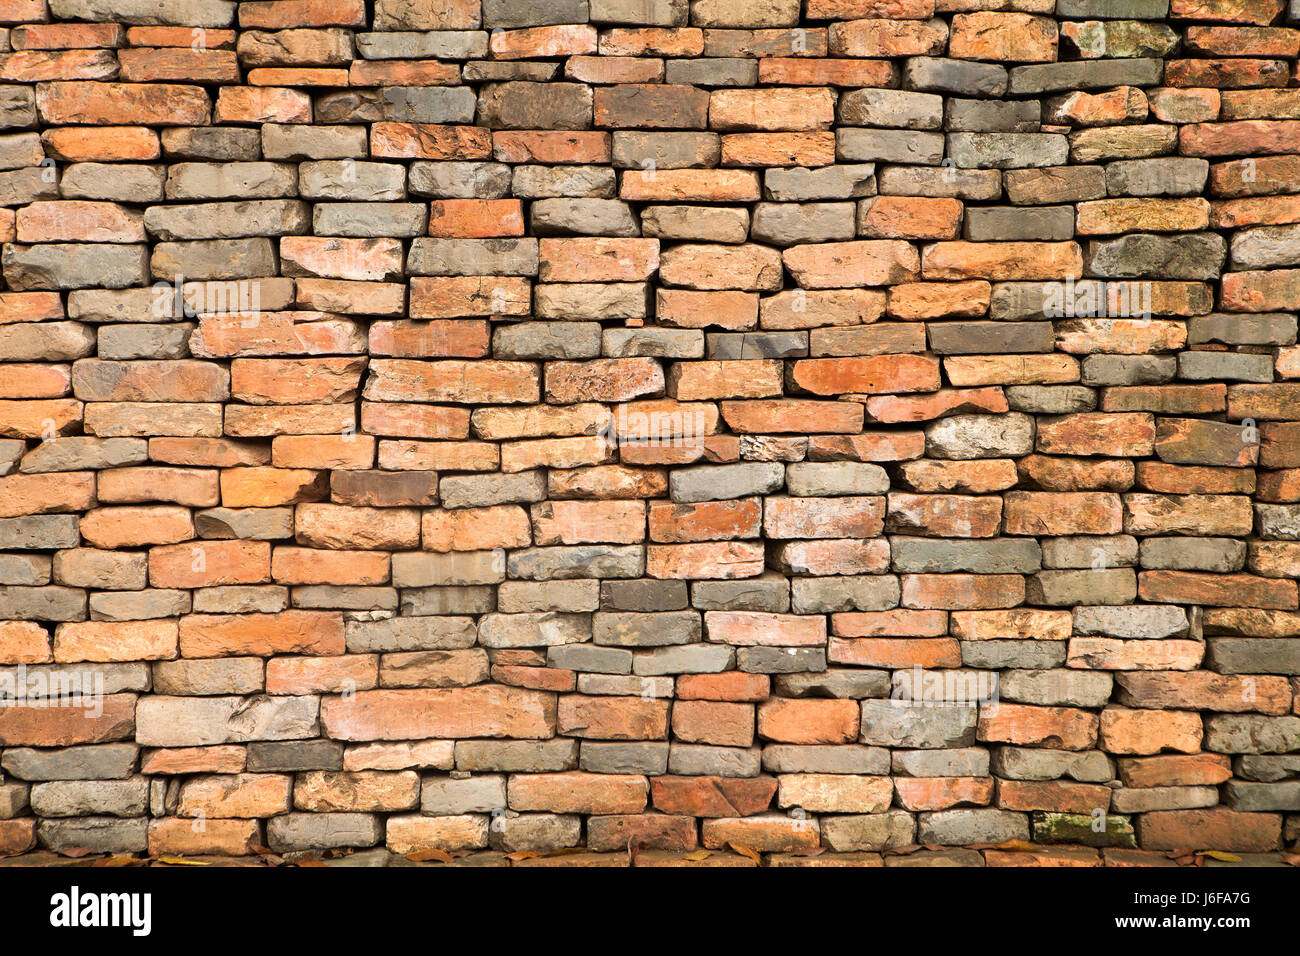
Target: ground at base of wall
1021	854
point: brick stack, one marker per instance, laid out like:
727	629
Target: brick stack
444	424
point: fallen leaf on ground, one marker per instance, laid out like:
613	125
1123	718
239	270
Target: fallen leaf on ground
1220	856
429	856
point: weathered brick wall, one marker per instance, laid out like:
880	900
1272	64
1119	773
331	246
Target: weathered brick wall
531	423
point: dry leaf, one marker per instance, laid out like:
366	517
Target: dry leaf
429	856
1292	859
695	856
634	850
903	850
116	861
181	861
1220	856
522	855
565	851
746	851
1016	846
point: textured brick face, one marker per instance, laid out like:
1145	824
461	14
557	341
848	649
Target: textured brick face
522	425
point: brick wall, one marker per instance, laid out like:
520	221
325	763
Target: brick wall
537	423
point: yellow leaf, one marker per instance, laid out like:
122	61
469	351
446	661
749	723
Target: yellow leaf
181	861
746	851
522	855
696	855
1016	846
1221	856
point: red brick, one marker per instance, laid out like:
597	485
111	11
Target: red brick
712	796
808	721
476	218
289	632
612	718
122	104
943	793
723	724
482	711
676	523
867	374
962	591
1215	829
1060	728
731	685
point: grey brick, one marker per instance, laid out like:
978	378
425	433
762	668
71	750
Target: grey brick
533	630
698	760
522	105
712	71
769	592
890	723
1012	223
721	482
579	561
891	108
1222	555
1253	655
844	682
649	757
459	180
547	340
517	756
708	223
868	831
992	116
684	659
997	556
590	659
639	629
101	762
633	149
1168	176
826	182
844	758
323	831
96	834
954	77
409	634
888	146
1084	75
964	827
786	224
971	184
1058	184
443	796
844	593
997	655
1185	256
293	756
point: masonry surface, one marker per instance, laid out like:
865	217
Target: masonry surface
838	425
